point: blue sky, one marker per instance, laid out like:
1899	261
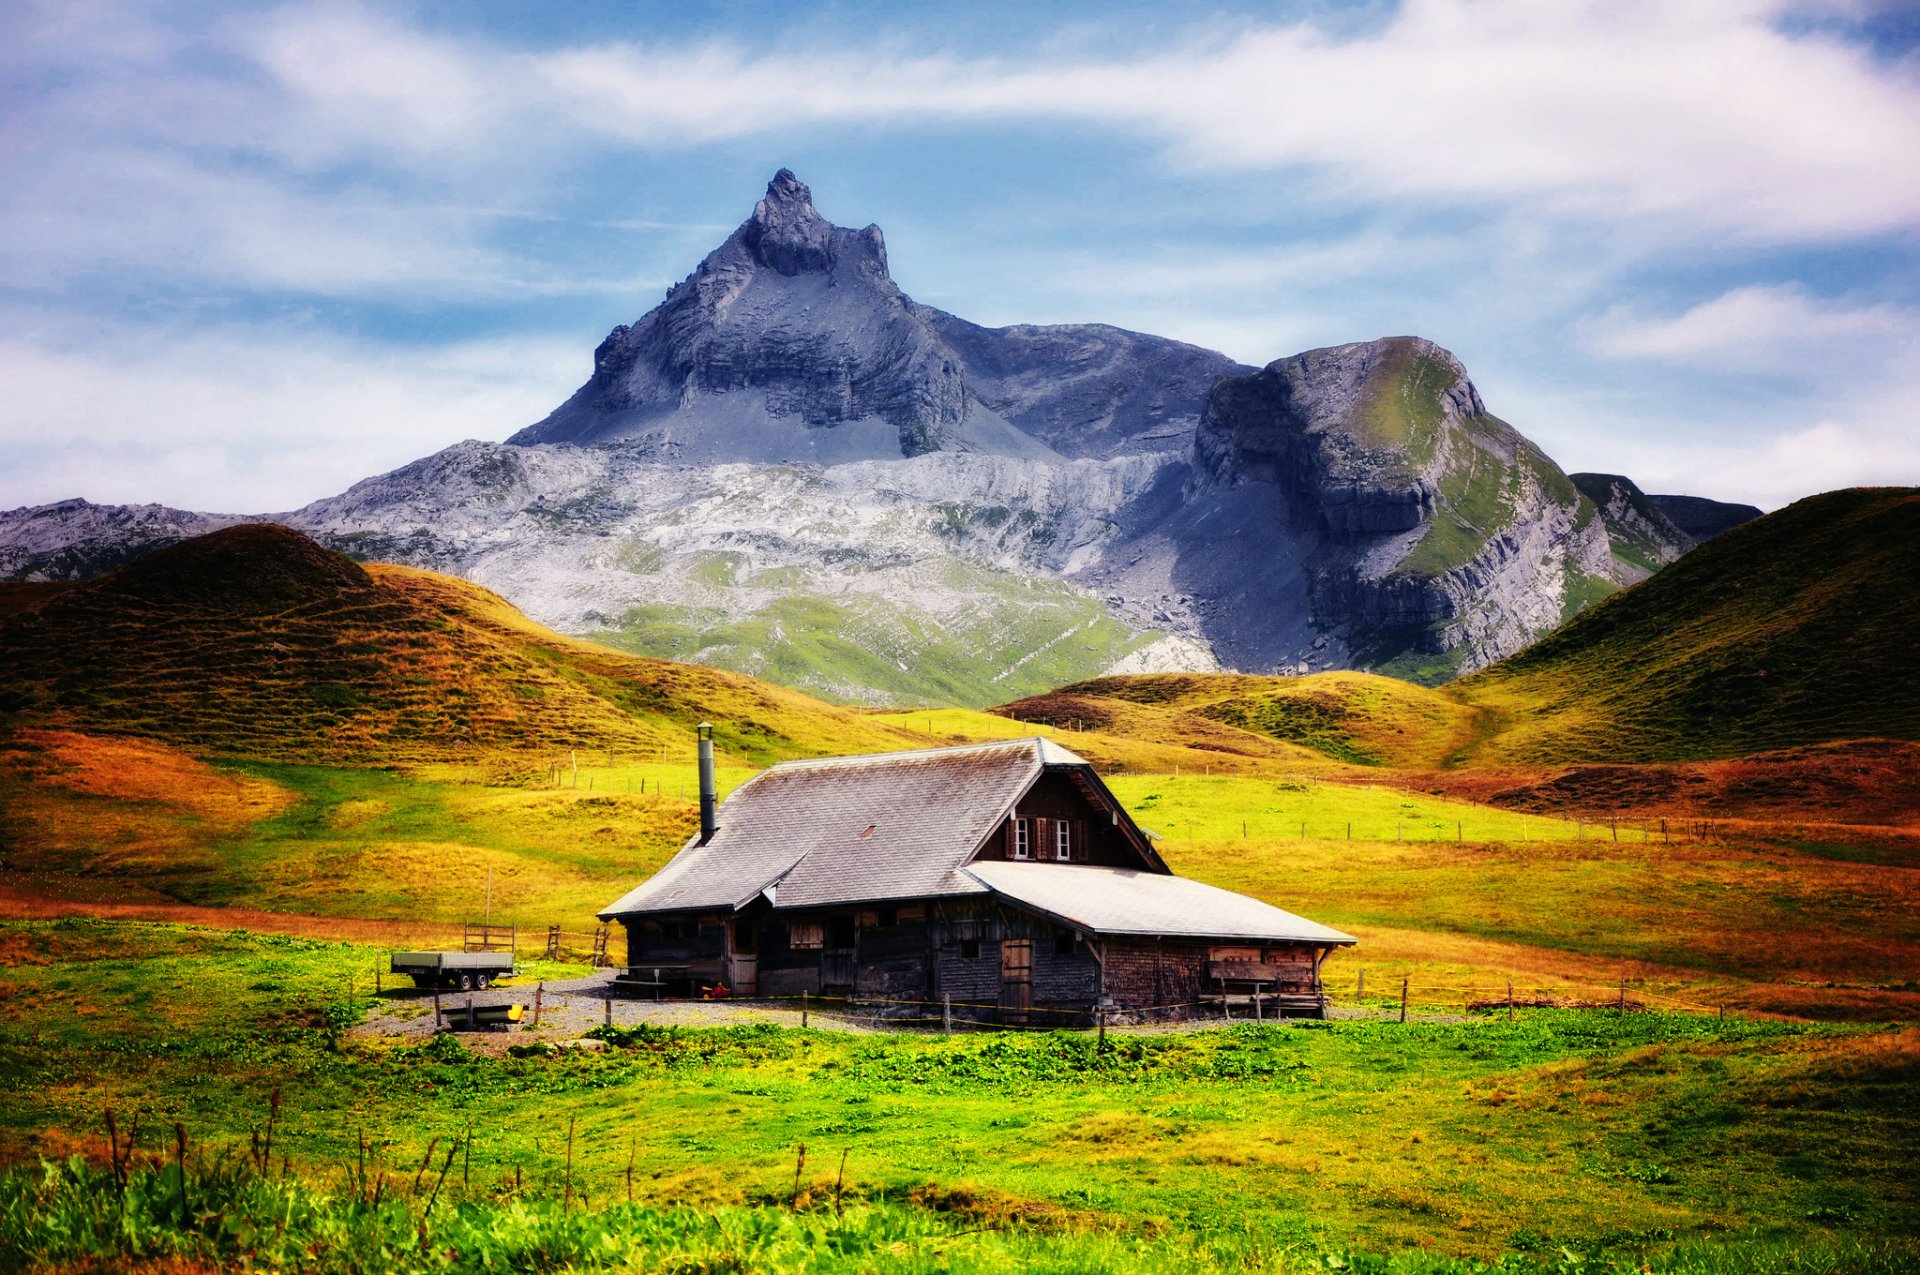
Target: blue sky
253	254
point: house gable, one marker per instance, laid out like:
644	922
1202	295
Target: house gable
1066	806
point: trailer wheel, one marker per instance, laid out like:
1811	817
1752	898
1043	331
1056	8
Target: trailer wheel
481	981
466	982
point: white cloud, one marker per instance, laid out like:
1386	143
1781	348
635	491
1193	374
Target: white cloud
250	420
1773	469
1774	329
1703	112
337	150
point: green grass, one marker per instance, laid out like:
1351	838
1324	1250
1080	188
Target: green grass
1681	1141
1199	807
1584	591
1476	500
1794	629
1348	717
1020	636
1401	409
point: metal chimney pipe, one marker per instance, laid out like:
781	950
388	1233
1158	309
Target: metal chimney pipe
709	795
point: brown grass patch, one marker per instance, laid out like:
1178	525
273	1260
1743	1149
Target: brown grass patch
993	1210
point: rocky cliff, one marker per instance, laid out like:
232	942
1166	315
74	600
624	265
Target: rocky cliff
1643	537
792	342
1433	536
790	468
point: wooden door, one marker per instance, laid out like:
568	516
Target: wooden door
837	958
1016	980
743	958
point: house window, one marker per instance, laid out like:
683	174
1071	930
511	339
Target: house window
969	949
804	934
1062	840
1023	838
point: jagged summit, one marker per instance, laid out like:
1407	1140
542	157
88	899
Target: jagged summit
791	341
787	234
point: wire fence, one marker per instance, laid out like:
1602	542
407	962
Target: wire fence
664	777
1402	999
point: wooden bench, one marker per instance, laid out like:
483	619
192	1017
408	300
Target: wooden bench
1264	989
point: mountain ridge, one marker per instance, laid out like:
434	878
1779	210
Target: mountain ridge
789	467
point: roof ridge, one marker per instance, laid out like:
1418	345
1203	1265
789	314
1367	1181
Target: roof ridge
796	763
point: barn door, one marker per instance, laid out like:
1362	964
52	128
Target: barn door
1016	980
837	958
743	958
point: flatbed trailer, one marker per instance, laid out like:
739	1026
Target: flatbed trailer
453	971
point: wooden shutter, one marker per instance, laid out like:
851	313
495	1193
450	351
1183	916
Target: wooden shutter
1013	833
1041	849
1080	850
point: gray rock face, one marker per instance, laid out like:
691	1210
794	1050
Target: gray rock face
791	342
1644	539
74	539
790	330
1432	536
1701	518
790	468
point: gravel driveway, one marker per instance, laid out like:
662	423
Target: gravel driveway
570	1009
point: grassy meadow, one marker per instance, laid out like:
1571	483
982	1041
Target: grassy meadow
228	788
1594	1138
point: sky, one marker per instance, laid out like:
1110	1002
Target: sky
250	254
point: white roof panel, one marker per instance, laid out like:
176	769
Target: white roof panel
1122	901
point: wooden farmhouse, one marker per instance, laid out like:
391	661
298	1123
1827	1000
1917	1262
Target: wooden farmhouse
1002	879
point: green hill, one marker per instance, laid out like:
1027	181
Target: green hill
256	642
1798	628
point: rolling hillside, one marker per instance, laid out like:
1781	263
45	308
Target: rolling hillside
1798	628
1361	718
255	642
1795	630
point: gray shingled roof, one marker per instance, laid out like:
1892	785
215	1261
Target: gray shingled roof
1122	901
801	829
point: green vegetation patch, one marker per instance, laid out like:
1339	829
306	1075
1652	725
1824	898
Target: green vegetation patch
1794	629
1560	1140
1021	637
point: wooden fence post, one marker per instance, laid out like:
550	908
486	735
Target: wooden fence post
1623	995
539	994
1403	1000
803	1007
436	1009
607	1004
946	1017
1360	992
1509	1000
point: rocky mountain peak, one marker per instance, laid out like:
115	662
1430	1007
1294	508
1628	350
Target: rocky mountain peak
787	234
